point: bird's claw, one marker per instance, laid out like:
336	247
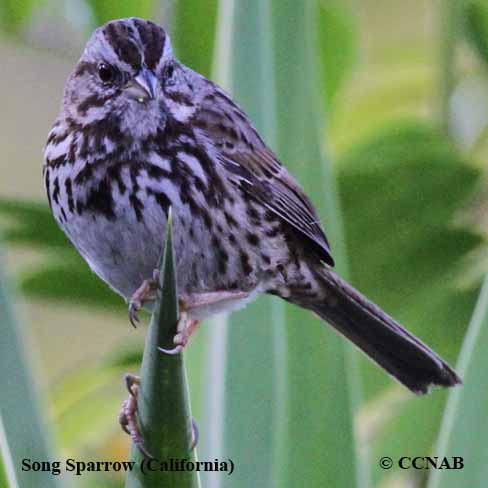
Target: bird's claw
134	307
128	421
144	294
185	328
174	351
127	417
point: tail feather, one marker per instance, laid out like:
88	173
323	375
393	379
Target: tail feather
385	341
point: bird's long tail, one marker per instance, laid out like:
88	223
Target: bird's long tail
385	341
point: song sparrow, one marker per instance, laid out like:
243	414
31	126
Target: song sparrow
138	133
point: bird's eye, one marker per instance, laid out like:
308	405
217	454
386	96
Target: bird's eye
106	72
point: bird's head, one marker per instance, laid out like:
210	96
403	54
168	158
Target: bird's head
127	77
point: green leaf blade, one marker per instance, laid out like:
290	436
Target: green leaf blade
28	438
193	33
242	416
272	408
476	27
337	47
15	14
105	10
321	368
164	413
464	427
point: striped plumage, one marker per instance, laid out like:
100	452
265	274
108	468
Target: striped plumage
139	132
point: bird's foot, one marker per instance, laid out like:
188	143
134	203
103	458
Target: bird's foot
128	420
186	326
127	416
184	329
145	293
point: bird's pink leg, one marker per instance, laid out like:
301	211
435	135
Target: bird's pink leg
198	300
186	327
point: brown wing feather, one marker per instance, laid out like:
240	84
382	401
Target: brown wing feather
253	167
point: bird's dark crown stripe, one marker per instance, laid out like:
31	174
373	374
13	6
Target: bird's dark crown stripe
153	39
123	40
120	37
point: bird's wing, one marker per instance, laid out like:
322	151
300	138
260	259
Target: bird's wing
252	167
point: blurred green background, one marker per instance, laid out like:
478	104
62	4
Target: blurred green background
403	89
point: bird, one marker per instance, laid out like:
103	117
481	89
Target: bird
139	133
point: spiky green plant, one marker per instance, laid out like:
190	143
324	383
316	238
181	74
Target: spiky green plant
164	413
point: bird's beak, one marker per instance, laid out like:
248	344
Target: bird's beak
143	86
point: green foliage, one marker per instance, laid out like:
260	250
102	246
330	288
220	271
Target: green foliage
23	433
321	381
85	406
193	33
15	13
125	358
85	288
105	10
401	190
337	47
3	476
476	26
31	225
464	427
